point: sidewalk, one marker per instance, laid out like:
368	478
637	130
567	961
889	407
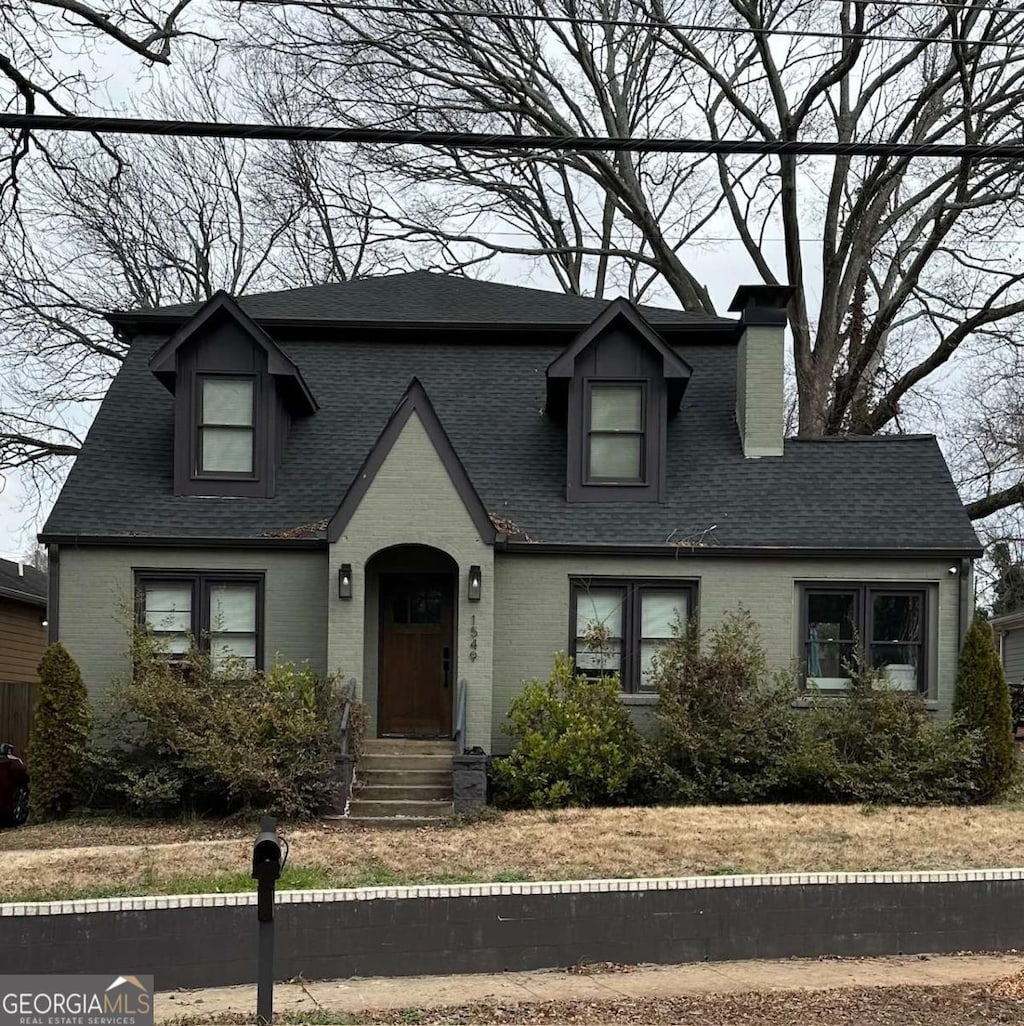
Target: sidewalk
597	984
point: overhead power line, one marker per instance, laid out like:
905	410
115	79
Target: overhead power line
498	141
645	23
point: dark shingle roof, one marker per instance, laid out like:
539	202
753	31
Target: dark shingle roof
28	585
426	297
875	493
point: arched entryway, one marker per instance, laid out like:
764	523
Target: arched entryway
411	592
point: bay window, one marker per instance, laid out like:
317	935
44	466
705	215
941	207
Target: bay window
888	623
619	627
218	612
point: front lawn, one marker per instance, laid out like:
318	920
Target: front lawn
95	858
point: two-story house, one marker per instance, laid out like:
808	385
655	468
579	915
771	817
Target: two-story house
421	480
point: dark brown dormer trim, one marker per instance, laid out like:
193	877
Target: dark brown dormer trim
675	370
620	348
165	362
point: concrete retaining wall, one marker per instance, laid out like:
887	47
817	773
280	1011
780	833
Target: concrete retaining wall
210	940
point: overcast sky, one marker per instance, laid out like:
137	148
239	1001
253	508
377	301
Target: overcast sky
721	264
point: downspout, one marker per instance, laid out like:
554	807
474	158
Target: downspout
964	612
53	593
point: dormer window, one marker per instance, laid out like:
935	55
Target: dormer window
226	429
616	433
615	387
236	392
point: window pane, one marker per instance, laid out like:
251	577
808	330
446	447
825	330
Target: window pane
224	648
648	650
232	607
896	617
599	662
659	611
827	663
830	616
227	401
425	605
616	408
227	450
615	456
168	606
899	663
602	606
176	644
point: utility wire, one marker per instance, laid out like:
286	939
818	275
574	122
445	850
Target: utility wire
500	141
645	23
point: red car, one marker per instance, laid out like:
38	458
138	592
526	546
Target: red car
13	787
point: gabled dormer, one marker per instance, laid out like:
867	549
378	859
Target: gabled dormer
615	387
235	394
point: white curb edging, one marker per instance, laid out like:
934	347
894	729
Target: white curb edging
682	883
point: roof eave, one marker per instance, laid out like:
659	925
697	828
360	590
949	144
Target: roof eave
23	596
182	542
778	551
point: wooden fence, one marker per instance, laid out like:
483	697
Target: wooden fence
17	702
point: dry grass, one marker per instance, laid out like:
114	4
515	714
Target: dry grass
854	1006
79	858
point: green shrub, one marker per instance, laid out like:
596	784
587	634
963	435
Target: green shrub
59	736
726	727
181	735
574	744
982	703
879	746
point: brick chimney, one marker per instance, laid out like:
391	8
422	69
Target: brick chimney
759	367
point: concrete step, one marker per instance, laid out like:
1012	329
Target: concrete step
361	809
374	761
421	793
386	822
403	777
407	746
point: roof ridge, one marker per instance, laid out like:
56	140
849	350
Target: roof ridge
509	288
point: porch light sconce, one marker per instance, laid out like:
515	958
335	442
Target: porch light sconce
345	581
476	581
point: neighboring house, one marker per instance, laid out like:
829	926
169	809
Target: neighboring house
419	480
1009	632
22	642
22	621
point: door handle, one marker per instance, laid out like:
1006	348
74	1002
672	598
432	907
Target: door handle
446	665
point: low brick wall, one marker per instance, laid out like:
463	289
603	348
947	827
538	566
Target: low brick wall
210	940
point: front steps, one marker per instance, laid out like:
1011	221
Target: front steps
403	783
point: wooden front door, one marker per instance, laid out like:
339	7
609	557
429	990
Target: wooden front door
415	691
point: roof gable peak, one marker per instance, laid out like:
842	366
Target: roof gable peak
674	366
163	363
414	401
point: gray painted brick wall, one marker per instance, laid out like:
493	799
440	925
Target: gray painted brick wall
412	501
533	603
96	598
759	390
